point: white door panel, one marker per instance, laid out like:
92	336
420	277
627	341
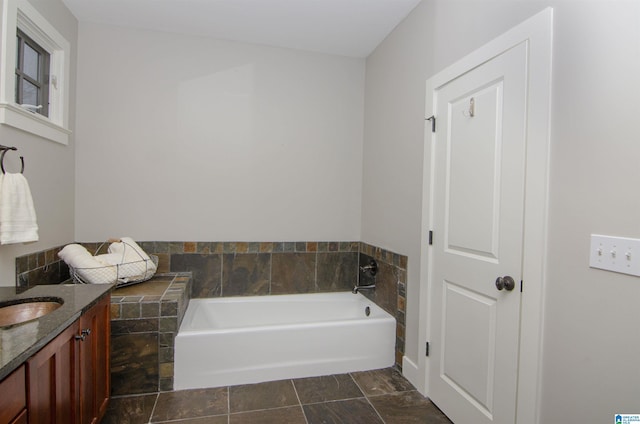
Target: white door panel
469	371
474	143
478	201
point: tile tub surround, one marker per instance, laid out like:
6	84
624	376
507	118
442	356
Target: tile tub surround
145	318
379	396
258	268
391	288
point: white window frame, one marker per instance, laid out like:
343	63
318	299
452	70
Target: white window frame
55	127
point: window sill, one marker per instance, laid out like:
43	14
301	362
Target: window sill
21	119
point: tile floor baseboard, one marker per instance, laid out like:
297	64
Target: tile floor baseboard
368	397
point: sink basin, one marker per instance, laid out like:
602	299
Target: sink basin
23	310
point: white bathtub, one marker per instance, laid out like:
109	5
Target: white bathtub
242	340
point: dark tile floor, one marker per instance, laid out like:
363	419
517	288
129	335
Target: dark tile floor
369	397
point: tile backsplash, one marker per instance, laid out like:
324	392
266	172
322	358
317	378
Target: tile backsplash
257	268
40	268
250	269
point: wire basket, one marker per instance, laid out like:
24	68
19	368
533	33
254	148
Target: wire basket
122	274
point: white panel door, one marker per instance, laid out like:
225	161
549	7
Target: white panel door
478	207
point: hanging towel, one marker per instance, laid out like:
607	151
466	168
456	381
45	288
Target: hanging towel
17	216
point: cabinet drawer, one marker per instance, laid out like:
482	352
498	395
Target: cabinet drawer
14	395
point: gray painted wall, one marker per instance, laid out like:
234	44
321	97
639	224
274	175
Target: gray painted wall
591	341
49	166
244	142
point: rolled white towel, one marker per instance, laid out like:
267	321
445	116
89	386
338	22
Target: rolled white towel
134	263
78	256
131	250
109	258
127	270
88	268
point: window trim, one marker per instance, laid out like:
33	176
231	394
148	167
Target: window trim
55	127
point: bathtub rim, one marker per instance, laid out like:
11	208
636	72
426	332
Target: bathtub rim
378	314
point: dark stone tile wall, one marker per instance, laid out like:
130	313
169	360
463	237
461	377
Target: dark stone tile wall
205	268
40	268
246	274
391	288
293	273
144	322
260	268
337	272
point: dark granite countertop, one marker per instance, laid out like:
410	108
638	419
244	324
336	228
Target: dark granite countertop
19	342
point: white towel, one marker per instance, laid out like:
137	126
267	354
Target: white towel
89	268
17	215
109	259
134	262
130	250
78	256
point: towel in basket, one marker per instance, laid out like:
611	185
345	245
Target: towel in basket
124	263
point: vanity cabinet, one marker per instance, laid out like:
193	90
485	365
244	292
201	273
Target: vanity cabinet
95	374
13	407
67	381
51	376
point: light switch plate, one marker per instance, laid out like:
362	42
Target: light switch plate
617	254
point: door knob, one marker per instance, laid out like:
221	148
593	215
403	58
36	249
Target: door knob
505	282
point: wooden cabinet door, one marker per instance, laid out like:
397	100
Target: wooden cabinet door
21	419
51	377
94	362
13	396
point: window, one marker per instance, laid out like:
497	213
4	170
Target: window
34	72
32	75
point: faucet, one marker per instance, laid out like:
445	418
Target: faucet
372	270
357	288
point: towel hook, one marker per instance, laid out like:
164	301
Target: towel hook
472	109
5	149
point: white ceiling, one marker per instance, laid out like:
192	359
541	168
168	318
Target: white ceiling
344	27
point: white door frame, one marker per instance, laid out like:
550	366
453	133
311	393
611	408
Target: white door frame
537	33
